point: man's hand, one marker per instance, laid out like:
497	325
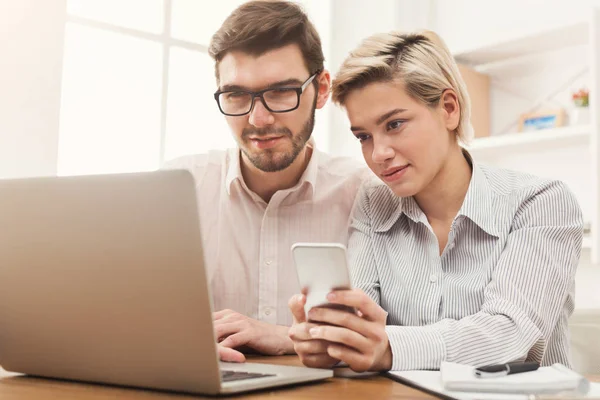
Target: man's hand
234	330
312	352
359	339
230	355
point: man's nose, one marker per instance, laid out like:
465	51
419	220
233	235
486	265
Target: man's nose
259	115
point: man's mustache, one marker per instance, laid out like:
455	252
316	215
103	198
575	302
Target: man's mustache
266	131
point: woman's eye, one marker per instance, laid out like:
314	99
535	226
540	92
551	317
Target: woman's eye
362	137
395	124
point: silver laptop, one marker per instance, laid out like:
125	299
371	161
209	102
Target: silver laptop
102	279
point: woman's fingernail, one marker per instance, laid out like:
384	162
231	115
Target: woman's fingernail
314	331
331	296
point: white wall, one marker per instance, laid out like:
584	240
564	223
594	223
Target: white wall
31	40
466	24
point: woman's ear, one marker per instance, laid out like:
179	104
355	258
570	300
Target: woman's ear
450	109
324	88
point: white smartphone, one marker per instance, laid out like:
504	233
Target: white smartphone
321	268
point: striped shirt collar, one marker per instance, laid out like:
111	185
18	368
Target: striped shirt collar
477	206
234	171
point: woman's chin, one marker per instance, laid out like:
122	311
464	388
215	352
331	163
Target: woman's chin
404	189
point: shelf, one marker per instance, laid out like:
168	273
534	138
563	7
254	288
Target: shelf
545	41
546	137
532	63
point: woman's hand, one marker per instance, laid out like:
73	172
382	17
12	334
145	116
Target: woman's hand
358	339
312	352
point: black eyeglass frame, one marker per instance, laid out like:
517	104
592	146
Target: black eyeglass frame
299	90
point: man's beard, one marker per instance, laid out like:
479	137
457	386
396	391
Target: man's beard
269	160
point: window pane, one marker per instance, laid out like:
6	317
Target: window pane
194	122
110	109
195	21
144	15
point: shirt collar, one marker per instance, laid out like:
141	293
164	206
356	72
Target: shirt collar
477	205
234	170
309	177
383	221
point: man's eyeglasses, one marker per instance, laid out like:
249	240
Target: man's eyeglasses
277	100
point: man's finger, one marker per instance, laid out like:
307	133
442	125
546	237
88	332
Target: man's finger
226	329
237	340
359	300
221	314
230	355
296	305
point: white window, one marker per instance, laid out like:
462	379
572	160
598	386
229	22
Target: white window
110	107
138	83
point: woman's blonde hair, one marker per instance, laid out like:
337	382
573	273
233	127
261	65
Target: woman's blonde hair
419	60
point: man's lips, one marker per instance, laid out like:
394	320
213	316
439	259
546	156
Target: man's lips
264	138
266	142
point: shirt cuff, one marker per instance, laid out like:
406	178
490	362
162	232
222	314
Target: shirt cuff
416	347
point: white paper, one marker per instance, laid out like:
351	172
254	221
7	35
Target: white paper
432	380
550	379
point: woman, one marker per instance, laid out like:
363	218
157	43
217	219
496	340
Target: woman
451	260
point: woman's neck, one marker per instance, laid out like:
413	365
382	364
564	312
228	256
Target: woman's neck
450	184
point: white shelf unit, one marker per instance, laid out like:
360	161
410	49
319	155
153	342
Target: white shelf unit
532	141
513	55
502	54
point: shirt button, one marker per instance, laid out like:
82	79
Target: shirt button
451	246
268	312
268	262
433	278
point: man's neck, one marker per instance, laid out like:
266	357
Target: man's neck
265	184
450	184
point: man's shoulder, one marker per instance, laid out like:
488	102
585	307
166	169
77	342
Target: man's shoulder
207	168
198	164
342	167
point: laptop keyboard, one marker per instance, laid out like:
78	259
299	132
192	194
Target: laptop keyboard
230	376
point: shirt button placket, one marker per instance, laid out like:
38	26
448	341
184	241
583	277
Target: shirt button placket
268	268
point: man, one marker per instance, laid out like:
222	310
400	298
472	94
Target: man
275	189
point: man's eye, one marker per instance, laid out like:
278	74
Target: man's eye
234	95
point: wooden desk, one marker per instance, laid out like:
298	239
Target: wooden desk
16	387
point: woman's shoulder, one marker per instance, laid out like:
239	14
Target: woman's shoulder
524	190
507	182
376	195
